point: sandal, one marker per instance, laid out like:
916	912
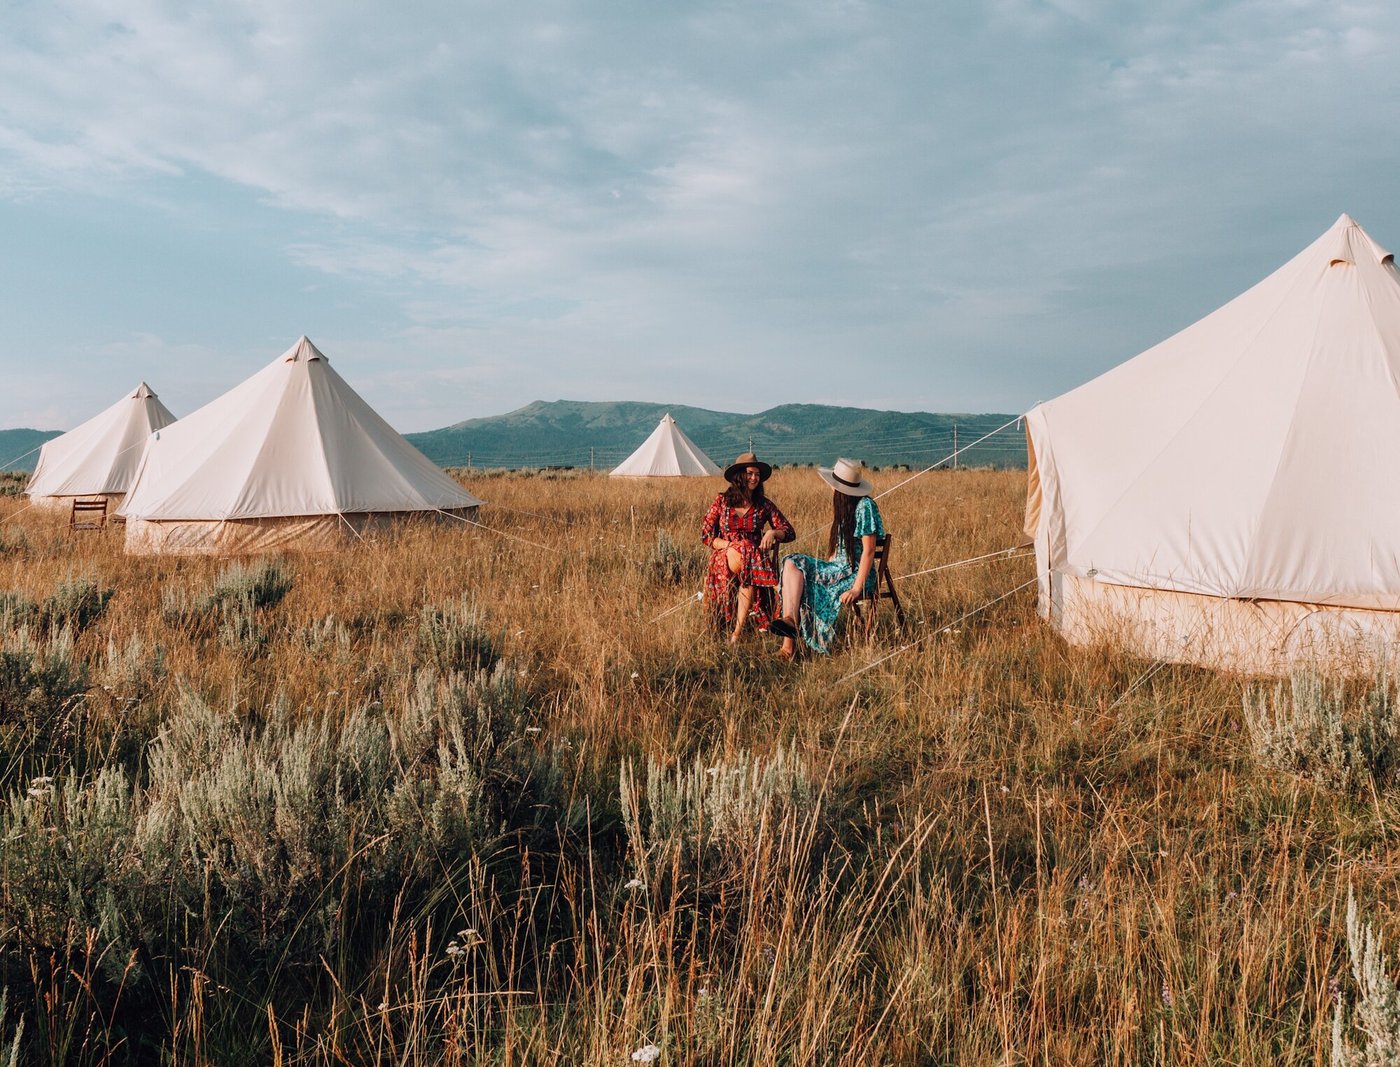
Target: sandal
780	627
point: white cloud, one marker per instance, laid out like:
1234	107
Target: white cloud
624	199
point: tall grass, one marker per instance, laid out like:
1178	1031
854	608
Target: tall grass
461	796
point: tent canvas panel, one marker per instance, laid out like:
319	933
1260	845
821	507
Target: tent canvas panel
101	456
293	441
1247	460
1250	636
666	453
246	537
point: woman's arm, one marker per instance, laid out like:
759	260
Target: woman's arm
867	556
709	529
782	529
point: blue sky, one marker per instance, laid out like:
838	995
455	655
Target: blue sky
913	205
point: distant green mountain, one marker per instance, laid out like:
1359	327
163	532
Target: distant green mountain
572	433
19	449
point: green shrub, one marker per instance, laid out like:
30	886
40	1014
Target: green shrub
1310	728
712	814
239	629
669	564
9	1050
76	603
16	609
452	637
1376	1016
260	584
68	857
132	671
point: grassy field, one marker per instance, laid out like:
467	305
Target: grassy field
459	797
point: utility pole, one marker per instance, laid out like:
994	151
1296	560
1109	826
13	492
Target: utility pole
469	461
955	446
590	457
750	444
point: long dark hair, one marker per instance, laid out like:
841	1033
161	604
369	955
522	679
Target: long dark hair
738	495
843	525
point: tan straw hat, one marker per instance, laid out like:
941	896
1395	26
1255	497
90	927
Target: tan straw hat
847	476
748	459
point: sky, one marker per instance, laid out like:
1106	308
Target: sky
469	206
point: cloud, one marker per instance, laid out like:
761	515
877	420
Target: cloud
649	199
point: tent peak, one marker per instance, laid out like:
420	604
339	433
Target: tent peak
142	392
303	352
1348	243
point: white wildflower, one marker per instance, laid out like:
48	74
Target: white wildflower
635	883
647	1054
43	779
533	729
635	676
453	949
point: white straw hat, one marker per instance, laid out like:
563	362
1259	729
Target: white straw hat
847	476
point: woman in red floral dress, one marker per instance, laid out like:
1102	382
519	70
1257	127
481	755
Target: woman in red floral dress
740	546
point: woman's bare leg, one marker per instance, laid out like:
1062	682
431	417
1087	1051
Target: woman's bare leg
793	584
741	612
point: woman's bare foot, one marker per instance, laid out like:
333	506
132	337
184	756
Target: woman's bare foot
789	648
735	636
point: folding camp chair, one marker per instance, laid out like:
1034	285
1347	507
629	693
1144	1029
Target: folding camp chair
868	606
88	514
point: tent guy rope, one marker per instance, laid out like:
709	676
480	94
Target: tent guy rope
942	629
492	529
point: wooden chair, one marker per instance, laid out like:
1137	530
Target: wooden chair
88	514
868	607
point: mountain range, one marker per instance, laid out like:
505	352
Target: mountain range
19	449
574	433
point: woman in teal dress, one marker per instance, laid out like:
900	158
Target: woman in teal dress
813	590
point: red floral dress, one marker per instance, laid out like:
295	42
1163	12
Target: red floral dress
743	533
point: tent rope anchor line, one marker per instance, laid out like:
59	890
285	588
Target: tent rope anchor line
502	533
942	629
1001	553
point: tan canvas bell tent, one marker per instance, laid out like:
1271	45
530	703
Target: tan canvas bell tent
100	457
1229	497
667	453
291	458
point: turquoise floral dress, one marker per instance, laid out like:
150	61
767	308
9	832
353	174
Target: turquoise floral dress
827	579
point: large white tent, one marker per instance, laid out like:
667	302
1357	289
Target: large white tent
1229	496
100	457
291	458
667	453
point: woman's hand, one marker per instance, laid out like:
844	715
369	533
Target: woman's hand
851	595
715	544
768	540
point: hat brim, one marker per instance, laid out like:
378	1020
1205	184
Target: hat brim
764	470
828	476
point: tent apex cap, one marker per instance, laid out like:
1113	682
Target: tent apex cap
142	392
303	352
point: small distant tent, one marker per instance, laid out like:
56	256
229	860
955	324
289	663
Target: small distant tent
100	457
292	458
667	453
1229	497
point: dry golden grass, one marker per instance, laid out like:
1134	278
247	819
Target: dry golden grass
1009	850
